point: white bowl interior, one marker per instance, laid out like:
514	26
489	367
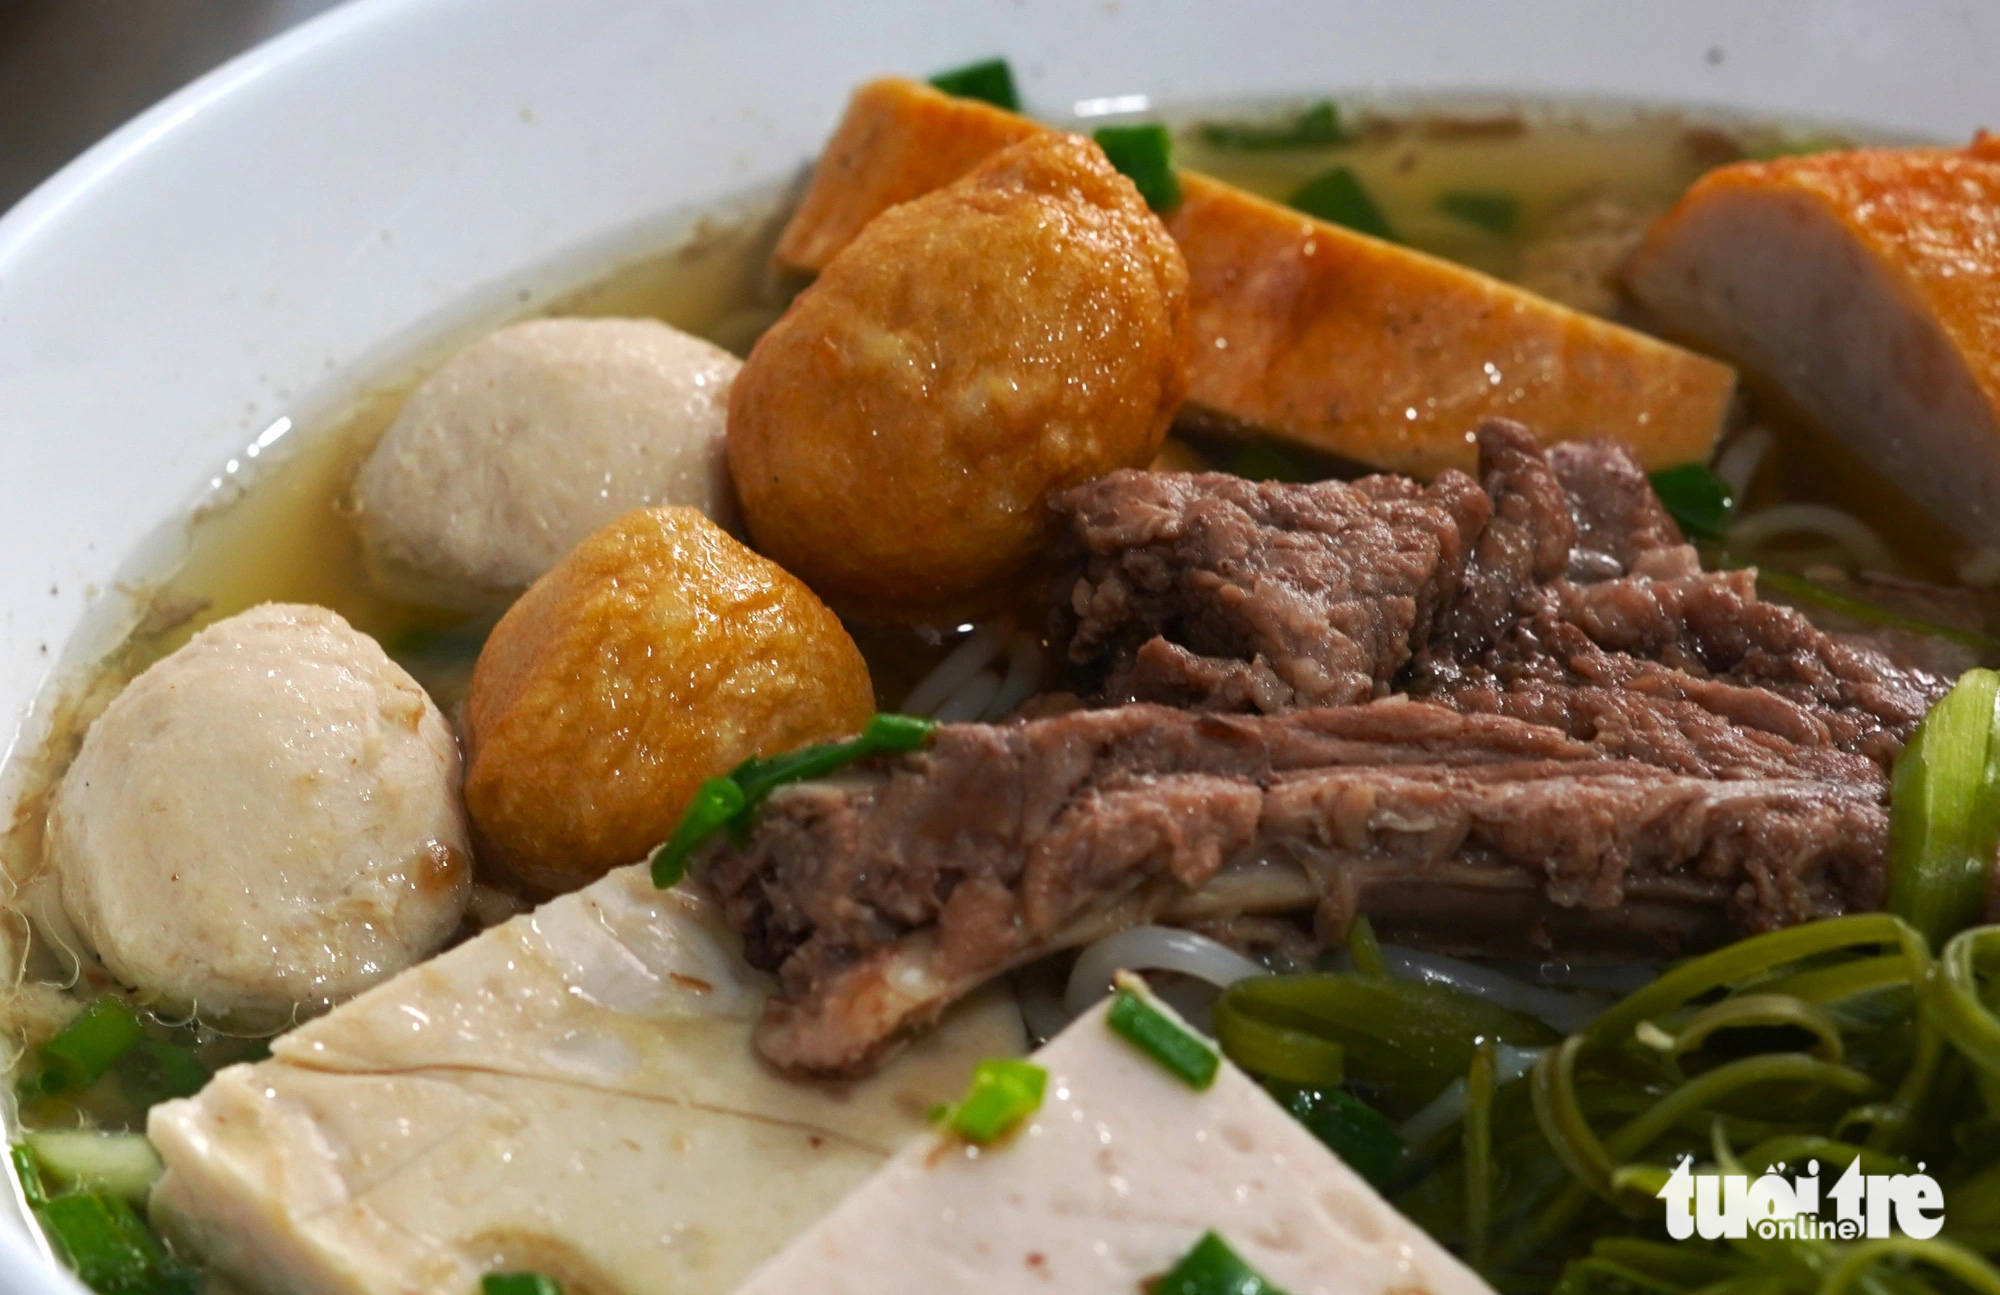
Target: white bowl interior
259	244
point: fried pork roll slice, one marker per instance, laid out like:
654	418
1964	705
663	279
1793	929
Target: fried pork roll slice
1866	286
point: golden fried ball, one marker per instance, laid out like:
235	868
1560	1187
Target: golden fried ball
893	436
658	653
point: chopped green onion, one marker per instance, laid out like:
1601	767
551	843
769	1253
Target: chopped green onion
1496	213
1365	949
728	802
76	1058
1698	499
1477	1140
759	776
1145	154
1349	1127
1261	460
28	1174
717	803
1337	197
1212	1268
151	1073
519	1283
96	1160
1944	811
989	81
1163	1039
1003	1093
110	1248
1316	127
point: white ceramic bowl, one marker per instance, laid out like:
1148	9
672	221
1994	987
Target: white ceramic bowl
254	247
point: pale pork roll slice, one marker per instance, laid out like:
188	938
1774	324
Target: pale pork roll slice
1865	285
572	1092
1119	1173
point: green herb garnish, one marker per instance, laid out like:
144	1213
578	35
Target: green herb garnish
1002	1094
1696	498
728	802
1349	1127
150	1073
519	1283
1404	1039
1163	1039
1365	949
110	1248
1263	460
1337	197
28	1172
77	1057
1315	127
1145	154
1212	1268
1476	1141
989	81
1944	811
1278	1044
1496	213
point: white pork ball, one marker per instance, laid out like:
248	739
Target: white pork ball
532	438
266	820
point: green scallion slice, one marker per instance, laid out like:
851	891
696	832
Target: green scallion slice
150	1073
1349	1127
519	1283
1002	1094
1944	811
1476	1138
715	806
28	1172
1212	1268
1337	197
1696	498
77	1057
1496	213
728	802
1145	154
989	81
1163	1039
1263	460
110	1248
1316	127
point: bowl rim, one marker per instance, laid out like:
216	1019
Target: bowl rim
89	180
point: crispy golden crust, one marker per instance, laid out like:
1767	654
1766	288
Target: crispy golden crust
1930	216
659	653
1306	330
1025	328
